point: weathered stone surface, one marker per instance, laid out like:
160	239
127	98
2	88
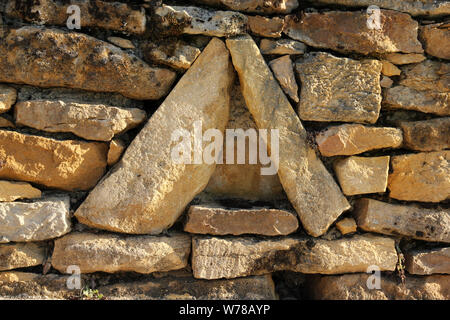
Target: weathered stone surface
349	139
430	8
216	220
354	287
281	46
347	31
147	190
193	20
297	159
121	42
411	221
189	288
284	72
89	121
243	181
361	175
420	177
256	6
21	255
36	221
388	69
423	261
113	253
401	97
5	123
266	27
120	16
436	39
24	285
54	58
176	54
405	58
427	75
11	191
116	149
215	258
8	96
386	82
67	165
426	135
339	89
346	225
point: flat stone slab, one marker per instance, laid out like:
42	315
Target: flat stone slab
362	175
215	258
436	39
147	190
88	121
422	177
36	221
113	253
61	164
297	159
426	135
255	6
281	46
354	287
266	27
283	70
405	220
175	54
14	190
76	60
210	219
349	90
428	261
21	255
8	96
347	31
350	139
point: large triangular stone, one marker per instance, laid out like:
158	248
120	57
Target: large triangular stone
308	185
146	191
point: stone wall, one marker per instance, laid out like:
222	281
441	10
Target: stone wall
361	102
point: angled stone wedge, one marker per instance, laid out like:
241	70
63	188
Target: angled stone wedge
304	178
147	191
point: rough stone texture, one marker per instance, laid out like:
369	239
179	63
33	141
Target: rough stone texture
346	225
426	135
284	72
406	220
21	255
216	220
256	6
436	39
215	258
54	58
178	54
116	149
401	97
266	27
5	123
346	31
349	139
112	253
386	82
189	288
120	16
8	96
41	220
121	42
147	191
243	181
427	75
11	191
354	287
423	261
297	159
420	177
88	121
388	69
281	47
339	89
67	165
193	20
361	175
405	58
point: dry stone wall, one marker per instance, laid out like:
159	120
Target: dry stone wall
351	105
